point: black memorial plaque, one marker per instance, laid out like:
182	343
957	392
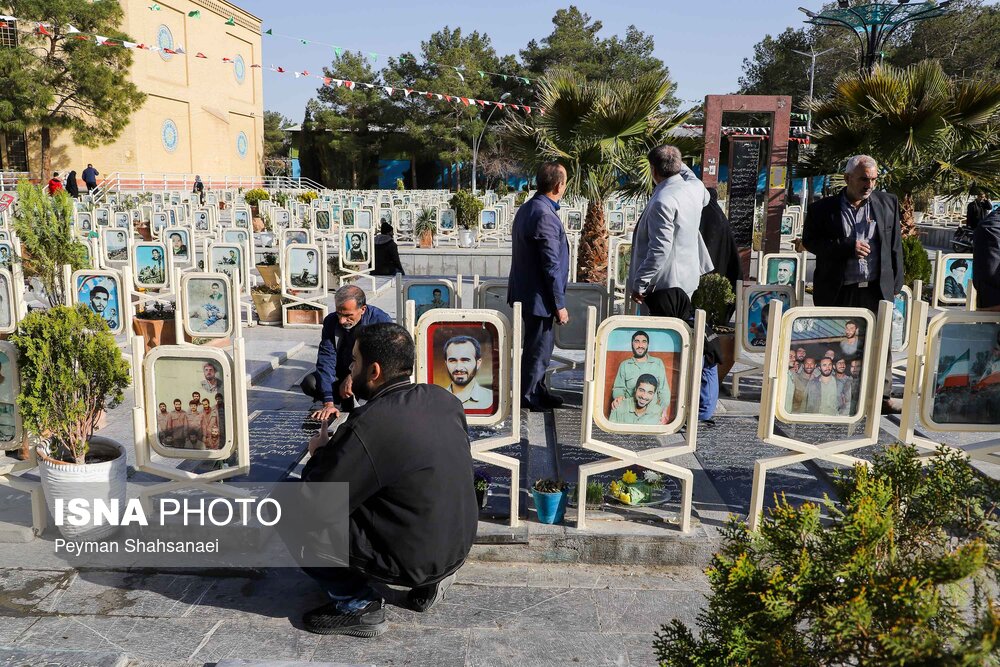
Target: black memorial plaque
744	168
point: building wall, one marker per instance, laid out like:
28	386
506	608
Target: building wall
199	116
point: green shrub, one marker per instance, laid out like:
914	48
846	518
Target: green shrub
520	198
255	196
716	297
502	189
467	208
44	225
900	572
71	370
425	222
916	264
306	197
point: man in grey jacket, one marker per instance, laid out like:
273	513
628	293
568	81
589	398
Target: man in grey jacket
668	255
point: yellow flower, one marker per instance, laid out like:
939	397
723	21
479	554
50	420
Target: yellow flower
629	477
615	489
625	498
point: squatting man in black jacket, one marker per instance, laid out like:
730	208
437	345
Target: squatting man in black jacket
413	513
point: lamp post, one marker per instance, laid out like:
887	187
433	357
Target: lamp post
812	55
874	23
476	143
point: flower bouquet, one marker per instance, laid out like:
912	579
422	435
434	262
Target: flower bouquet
629	490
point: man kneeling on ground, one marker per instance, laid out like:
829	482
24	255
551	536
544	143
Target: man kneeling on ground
413	514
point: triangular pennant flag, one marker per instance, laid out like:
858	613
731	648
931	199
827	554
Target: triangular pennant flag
448	97
439	96
154	7
255	65
480	103
373	56
3	24
514	106
129	45
196	14
304	41
280	70
200	55
465	100
387	89
231	20
170	51
327	80
337	51
500	105
43	31
482	74
368	86
71	30
428	95
528	81
83	38
504	76
349	85
459	74
541	111
407	92
227	60
526	108
297	75
180	50
269	31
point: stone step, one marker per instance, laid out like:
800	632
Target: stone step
16	657
281	663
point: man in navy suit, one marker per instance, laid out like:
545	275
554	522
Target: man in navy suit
539	271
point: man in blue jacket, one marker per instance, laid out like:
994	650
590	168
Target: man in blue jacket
331	382
539	271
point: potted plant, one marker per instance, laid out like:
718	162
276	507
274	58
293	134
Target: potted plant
254	196
44	226
270	271
467	209
482	482
71	371
267	302
595	495
156	325
425	228
305	314
550	498
716	297
307	197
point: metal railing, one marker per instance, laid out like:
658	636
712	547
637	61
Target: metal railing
10	179
155	182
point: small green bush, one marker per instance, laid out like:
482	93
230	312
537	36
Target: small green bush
467	208
502	189
306	197
916	263
520	198
71	370
716	297
425	222
255	196
901	571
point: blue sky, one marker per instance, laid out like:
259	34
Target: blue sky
703	42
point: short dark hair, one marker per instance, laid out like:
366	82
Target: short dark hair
665	160
640	333
460	340
646	378
100	289
390	346
549	176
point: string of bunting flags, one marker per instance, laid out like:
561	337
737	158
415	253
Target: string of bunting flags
390	90
798	132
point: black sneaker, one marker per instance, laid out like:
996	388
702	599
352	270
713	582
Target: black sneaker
551	401
329	620
424	597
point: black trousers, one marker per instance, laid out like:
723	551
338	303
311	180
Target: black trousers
539	340
852	296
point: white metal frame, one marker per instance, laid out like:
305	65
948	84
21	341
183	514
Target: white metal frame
940	273
744	292
403	286
184	307
800	270
298	296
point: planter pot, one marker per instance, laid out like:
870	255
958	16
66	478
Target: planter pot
467	238
268	307
105	481
271	273
918	217
427	240
304	316
144	232
727	344
551	507
258	225
155	332
482	497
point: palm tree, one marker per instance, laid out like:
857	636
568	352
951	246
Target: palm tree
600	131
925	130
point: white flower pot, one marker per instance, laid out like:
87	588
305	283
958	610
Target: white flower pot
94	481
467	238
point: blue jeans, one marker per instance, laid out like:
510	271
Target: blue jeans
709	392
349	588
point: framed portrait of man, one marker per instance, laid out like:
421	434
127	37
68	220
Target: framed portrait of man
280	217
237	236
207	305
639	376
616	222
123	220
464	358
426	294
115	245
187	393
780	269
622	258
179	244
102	216
11	432
787	225
962	373
755	307
6	254
357	247
303	262
149	264
201	221
446	221
241	218
827	355
404	221
227	258
102	291
160	221
574	220
386	215
954	275
899	336
8	319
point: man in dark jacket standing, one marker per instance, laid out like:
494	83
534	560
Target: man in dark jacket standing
90	177
977	210
405	456
387	262
331	382
856	238
539	271
986	262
